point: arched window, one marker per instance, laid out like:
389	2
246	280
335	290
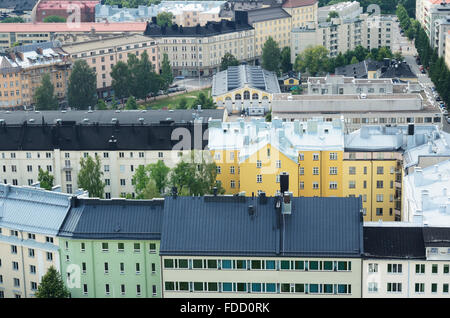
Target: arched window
246	95
228	98
265	97
255	96
291	81
238	97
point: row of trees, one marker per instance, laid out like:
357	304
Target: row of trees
316	60
438	71
193	175
275	59
133	80
409	25
132	3
203	100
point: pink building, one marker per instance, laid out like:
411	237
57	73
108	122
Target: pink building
63	8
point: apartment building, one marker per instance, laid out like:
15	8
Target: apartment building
268	22
425	196
251	156
31	33
359	110
342	34
430	14
56	141
244	88
23	69
29	222
198	50
256	247
103	54
408	262
442	27
110	248
302	11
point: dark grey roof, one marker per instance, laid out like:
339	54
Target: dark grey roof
436	236
266	14
358	70
114	219
209	29
26	131
394	242
401	70
222	225
105	116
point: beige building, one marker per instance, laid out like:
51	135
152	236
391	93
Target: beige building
302	11
268	22
340	35
198	51
30	33
103	54
28	242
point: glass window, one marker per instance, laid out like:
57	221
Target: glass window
270	264
226	264
313	288
227	287
256	287
169	286
197	263
299	265
213	287
328	265
183	285
241	264
314	265
241	287
183	263
270	288
212	263
198	286
328	288
299	288
284	264
168	263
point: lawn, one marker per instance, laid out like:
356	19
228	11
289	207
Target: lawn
172	101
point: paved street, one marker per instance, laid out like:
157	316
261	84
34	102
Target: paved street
194	83
401	43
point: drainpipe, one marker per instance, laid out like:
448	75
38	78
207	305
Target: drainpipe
162	278
23	265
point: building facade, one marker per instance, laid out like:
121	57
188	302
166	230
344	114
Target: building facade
268	258
58	144
103	54
409	262
198	50
23	69
114	259
29	223
430	14
64	9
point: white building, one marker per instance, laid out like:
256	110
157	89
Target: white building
430	14
426	195
402	261
56	142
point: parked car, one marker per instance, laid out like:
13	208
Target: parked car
438	98
179	78
448	120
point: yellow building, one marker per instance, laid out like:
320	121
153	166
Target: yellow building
319	159
301	11
270	22
310	152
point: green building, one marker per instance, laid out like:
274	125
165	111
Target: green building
110	248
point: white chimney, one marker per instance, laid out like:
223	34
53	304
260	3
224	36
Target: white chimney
425	200
444	192
436	168
418	217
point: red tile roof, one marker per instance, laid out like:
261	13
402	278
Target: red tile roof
65	27
438	1
298	3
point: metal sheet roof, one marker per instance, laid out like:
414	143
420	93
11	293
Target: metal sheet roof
114	219
223	226
32	210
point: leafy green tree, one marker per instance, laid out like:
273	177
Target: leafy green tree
383	53
166	71
159	174
45	97
204	101
164	19
54	19
101	105
269	116
140	181
114	104
131	103
332	15
52	285
120	75
313	60
82	91
182	104
286	64
271	56
90	176
354	60
13	20
228	60
45	179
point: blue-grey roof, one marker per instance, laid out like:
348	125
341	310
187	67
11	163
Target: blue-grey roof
32	210
223	226
114	219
